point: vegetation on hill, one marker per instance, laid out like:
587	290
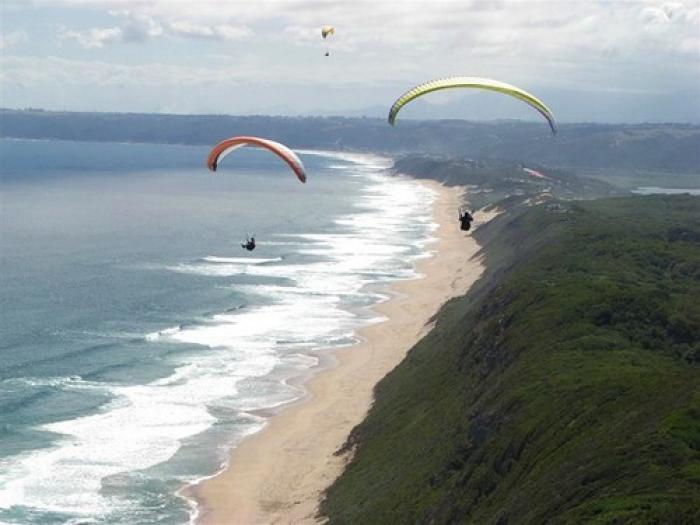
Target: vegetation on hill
666	147
493	180
564	388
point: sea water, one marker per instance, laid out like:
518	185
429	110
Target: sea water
655	190
139	340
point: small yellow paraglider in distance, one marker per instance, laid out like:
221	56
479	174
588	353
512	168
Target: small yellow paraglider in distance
327	31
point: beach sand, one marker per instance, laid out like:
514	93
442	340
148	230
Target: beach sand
279	474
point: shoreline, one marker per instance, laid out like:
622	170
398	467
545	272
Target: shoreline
279	474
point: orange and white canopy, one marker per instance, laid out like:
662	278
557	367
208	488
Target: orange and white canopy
225	147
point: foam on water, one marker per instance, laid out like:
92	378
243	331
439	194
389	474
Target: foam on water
243	357
239	260
142	426
154	336
652	190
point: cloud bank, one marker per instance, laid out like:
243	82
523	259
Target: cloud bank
600	46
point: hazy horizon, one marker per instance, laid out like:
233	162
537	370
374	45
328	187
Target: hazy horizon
331	115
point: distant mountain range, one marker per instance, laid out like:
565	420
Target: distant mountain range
663	147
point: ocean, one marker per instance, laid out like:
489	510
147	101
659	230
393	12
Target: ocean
655	190
140	342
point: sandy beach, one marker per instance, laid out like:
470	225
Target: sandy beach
279	474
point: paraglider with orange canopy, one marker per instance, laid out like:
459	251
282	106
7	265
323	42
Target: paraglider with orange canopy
225	147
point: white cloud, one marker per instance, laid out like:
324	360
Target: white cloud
533	24
92	38
595	45
138	27
134	27
58	71
187	29
36	71
585	30
12	39
672	27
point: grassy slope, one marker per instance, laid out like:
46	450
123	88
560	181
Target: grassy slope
565	388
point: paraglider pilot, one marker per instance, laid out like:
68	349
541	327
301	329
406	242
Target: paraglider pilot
249	244
465	220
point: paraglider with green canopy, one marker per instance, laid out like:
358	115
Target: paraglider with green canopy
474	83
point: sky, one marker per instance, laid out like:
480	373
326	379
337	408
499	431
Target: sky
592	61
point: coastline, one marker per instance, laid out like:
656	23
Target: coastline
279	474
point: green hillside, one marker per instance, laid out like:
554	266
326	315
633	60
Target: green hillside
564	388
